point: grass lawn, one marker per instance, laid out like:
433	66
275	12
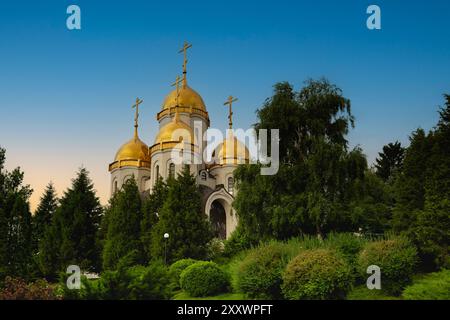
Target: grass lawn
362	293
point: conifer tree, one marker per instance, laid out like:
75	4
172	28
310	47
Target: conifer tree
151	208
182	218
124	220
74	228
43	215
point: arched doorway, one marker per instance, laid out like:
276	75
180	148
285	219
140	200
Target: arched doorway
218	219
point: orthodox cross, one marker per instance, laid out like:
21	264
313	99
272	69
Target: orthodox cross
177	85
229	102
183	50
136	114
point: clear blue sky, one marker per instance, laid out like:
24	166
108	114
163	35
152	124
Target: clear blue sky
65	96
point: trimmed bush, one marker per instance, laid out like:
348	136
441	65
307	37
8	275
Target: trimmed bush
177	268
204	278
260	273
317	274
397	259
434	286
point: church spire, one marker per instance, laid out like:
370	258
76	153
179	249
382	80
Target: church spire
136	116
229	102
183	50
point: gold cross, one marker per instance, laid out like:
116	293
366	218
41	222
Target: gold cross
177	84
183	50
136	114
229	102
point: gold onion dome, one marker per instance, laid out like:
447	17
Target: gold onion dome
175	130
233	151
135	149
187	97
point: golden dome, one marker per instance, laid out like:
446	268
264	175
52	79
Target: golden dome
187	97
233	151
134	149
175	130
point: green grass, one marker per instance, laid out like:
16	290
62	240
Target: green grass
362	293
433	286
225	296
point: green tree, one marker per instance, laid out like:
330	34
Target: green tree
43	215
390	160
124	220
181	216
15	223
151	208
74	229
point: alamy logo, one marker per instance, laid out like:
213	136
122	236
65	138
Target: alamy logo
73	22
374	281
74	280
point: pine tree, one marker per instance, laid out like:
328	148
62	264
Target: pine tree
390	160
74	229
124	221
43	215
151	209
182	218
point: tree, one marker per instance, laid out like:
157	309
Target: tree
151	208
74	228
43	215
390	160
124	220
181	216
308	194
15	223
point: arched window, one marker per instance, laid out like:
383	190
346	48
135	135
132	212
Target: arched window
203	175
115	186
172	170
231	185
157	173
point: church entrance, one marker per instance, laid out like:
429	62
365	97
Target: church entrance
218	220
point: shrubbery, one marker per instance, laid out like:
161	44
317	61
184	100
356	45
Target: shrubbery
434	286
18	289
317	274
204	279
397	259
177	268
259	274
130	283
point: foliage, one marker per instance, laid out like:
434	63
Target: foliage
43	216
237	242
260	272
18	289
177	268
361	292
124	220
126	283
390	160
317	274
434	286
215	249
204	278
151	208
72	236
181	216
396	258
15	223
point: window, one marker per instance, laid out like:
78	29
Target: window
230	185
203	175
157	173
172	170
115	186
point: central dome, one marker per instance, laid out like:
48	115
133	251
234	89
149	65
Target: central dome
187	97
174	131
233	151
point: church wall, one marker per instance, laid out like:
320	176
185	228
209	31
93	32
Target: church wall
120	175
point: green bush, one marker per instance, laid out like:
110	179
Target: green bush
204	278
434	286
130	283
18	289
259	274
317	274
397	259
347	244
177	268
237	242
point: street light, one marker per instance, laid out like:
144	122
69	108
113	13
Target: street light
166	237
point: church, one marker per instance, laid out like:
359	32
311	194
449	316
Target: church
183	121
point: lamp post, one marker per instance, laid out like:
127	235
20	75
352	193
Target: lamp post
166	237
